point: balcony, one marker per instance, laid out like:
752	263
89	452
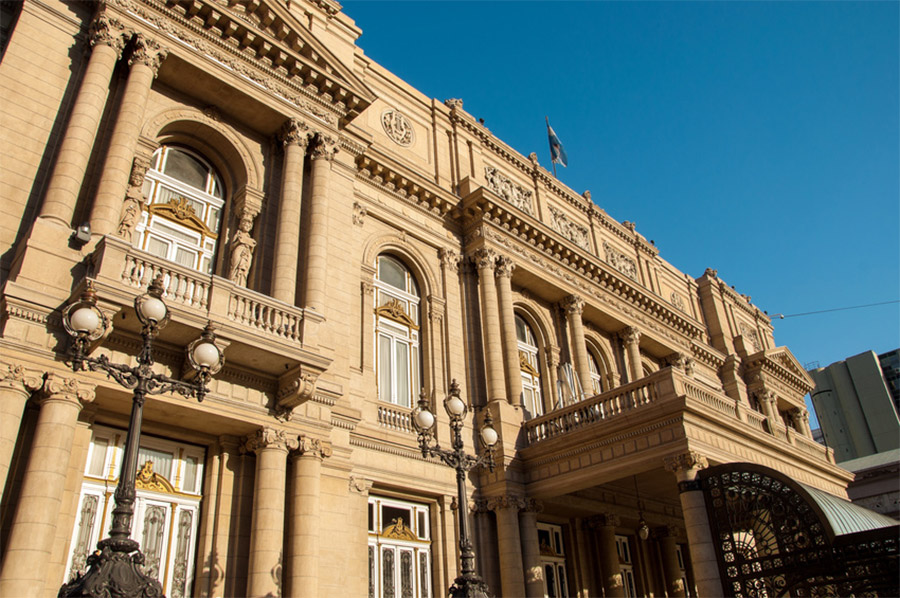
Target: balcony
266	335
637	424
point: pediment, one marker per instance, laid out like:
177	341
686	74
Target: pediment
782	362
263	41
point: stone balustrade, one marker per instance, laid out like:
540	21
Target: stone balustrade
395	418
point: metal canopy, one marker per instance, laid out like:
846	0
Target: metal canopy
777	537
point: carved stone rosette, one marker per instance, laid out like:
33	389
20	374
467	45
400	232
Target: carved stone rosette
559	221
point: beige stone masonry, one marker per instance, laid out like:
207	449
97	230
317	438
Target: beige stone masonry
573	306
605	525
304	529
16	387
490	321
144	62
30	545
509	544
322	150
294	137
503	271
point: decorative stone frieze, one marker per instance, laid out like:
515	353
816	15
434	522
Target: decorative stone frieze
620	261
559	221
512	193
676	300
397	127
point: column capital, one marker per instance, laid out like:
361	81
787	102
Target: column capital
504	267
685	467
269	438
604	520
147	52
507	501
573	305
18	377
308	446
449	259
323	147
294	132
484	258
107	31
630	334
60	388
532	505
360	485
479	505
667	531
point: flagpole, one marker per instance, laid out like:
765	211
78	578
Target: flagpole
552	161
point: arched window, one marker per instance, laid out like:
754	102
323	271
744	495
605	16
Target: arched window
185	198
530	367
596	374
397	352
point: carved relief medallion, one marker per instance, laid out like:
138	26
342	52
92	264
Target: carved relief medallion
397	127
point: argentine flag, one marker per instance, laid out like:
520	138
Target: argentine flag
557	152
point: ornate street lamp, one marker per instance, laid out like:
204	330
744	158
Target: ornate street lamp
468	584
114	570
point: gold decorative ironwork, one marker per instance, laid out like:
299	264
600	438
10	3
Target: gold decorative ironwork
147	479
398	530
181	211
525	365
395	310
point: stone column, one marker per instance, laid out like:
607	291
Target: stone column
668	553
16	386
217	559
503	271
144	62
295	138
486	534
267	535
574	307
531	549
509	544
357	553
611	575
585	584
323	150
490	323
78	140
696	522
632	338
28	551
304	528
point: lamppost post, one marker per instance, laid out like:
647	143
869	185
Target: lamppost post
114	568
468	584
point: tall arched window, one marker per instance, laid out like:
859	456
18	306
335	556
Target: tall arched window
596	374
185	198
397	350
530	367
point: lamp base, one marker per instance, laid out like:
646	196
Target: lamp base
469	585
114	571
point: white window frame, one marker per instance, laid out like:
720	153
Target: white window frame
393	337
626	566
151	227
531	379
554	557
596	376
419	549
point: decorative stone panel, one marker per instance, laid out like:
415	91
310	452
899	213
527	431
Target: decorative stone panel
620	261
576	233
512	193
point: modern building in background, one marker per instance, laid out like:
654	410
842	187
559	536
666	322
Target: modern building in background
856	404
856	411
355	243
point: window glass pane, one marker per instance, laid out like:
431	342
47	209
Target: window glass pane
216	188
402	353
212	219
392	272
384	368
422	530
521	330
162	461
98	456
190	474
179	234
391	515
158	247
185	257
186	168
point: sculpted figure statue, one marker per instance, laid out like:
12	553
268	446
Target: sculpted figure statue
242	245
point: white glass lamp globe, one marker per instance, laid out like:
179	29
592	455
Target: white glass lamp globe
643	530
455	406
153	309
424	419
206	355
84	320
489	436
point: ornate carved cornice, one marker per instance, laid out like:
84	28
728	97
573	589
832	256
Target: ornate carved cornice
389	178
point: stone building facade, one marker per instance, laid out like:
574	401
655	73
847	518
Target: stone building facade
354	242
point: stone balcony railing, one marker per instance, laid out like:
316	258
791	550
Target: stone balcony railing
664	386
248	318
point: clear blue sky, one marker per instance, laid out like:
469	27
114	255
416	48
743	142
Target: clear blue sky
757	138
